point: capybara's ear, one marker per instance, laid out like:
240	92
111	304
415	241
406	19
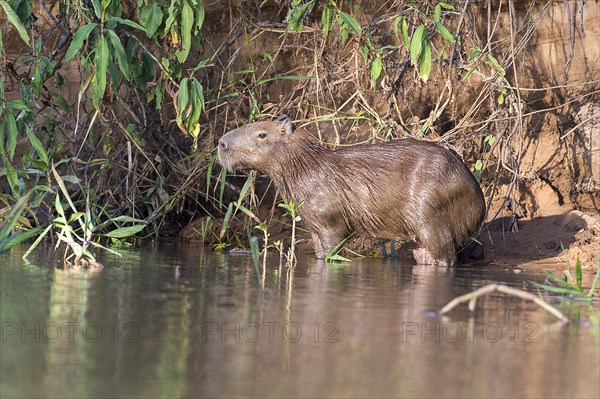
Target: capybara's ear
287	126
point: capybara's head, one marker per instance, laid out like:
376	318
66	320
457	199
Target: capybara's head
256	146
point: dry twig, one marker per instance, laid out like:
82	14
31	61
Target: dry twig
488	289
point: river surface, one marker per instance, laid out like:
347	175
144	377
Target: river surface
179	321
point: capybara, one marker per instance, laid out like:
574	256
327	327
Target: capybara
404	189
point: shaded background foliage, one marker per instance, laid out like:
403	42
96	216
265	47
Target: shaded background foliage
122	102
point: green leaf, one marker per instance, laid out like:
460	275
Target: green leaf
327	18
416	44
496	65
151	18
396	25
376	68
474	53
405	38
78	38
560	281
558	290
14	20
337	258
187	22
170	17
101	67
126	219
197	97
19	104
364	51
97	8
444	32
59	208
13	180
12	134
127	22
469	72
124	232
489	139
578	273
72	179
37	146
226	220
425	61
199	15
2	124
501	99
350	22
437	13
209	169
182	99
119	52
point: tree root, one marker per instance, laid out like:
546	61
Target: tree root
472	298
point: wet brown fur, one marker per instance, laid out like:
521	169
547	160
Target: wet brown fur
405	190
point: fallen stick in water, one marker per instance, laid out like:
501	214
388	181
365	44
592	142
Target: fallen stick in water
472	298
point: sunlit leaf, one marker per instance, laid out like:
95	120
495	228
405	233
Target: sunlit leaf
416	44
200	14
79	37
12	134
425	62
129	22
226	220
327	18
101	67
405	38
14	20
124	232
437	13
187	23
182	99
445	33
350	22
469	72
37	146
496	65
119	53
151	18
376	68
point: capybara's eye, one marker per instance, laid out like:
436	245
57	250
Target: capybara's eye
262	135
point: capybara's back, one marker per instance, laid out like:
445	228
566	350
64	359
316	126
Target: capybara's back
405	190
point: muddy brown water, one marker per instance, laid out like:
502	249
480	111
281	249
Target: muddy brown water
183	322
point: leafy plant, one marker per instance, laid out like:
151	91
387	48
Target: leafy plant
292	208
334	254
569	285
8	237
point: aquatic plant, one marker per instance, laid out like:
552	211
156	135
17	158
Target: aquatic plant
10	238
291	208
570	286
